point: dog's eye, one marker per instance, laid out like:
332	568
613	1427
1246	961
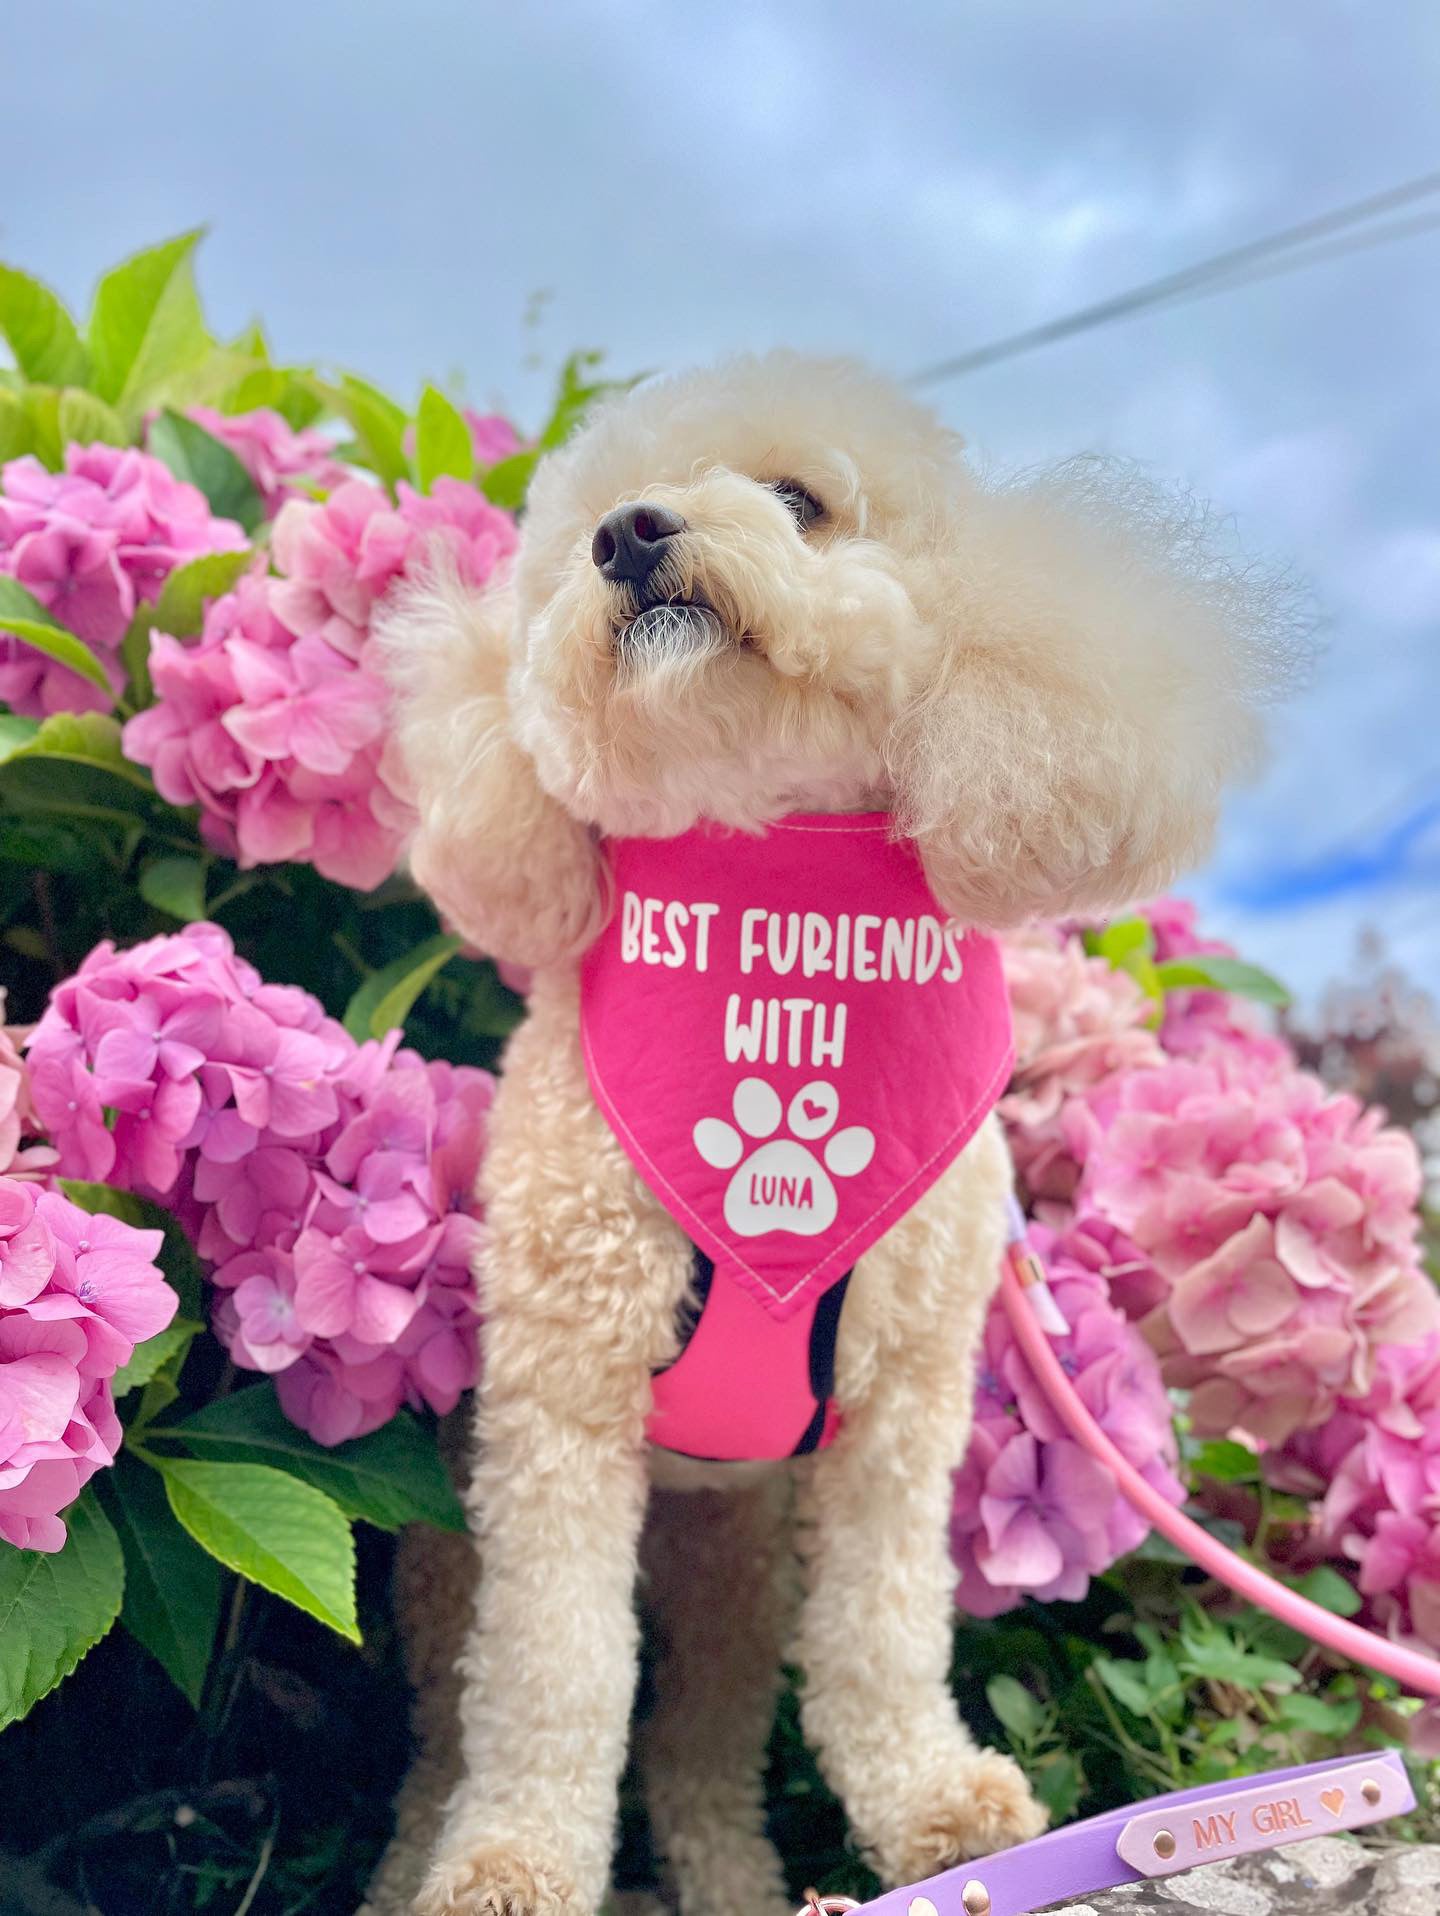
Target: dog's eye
803	506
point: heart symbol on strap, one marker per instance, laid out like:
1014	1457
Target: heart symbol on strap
1334	1800
813	1109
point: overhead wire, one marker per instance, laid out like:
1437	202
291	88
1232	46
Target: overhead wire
1290	249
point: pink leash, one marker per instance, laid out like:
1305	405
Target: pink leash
1033	1314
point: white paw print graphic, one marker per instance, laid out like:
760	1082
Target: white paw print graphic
783	1186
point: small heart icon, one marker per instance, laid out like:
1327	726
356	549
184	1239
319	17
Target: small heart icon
813	1109
1334	1800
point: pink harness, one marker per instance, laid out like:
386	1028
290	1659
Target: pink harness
792	1042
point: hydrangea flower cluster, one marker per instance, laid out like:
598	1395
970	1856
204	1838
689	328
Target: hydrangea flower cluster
1256	1231
273	723
1034	1514
91	543
1281	1220
327	1183
77	1294
284	464
1374	1468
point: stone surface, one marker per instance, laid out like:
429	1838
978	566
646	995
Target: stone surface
1322	1877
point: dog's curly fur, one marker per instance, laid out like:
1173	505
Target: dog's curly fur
1048	683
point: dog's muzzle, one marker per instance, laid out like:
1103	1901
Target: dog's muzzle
632	542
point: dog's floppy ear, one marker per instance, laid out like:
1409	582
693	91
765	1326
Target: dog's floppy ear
504	861
1098	678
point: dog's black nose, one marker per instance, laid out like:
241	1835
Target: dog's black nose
630	541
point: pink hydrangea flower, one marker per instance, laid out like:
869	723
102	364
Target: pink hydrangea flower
283	462
22	1154
91	543
1280	1217
1078	1022
77	1294
492	436
1373	1471
274	722
1034	1514
328	1184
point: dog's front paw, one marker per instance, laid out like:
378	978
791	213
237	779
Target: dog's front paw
984	1804
496	1880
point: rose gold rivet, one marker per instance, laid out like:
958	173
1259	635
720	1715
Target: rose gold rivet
975	1899
921	1906
1371	1791
1164	1845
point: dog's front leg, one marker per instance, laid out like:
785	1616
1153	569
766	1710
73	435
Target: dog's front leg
580	1284
877	1624
550	1672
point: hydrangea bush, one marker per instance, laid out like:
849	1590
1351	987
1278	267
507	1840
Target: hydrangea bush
243	1109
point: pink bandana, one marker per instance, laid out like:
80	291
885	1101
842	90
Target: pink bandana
792	1042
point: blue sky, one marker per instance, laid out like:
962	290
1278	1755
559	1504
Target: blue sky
390	187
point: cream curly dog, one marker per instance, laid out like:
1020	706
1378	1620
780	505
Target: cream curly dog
1047	685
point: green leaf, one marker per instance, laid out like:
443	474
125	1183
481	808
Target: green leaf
172	1587
1126	1683
54	1608
1059	1782
24	615
1226	1462
177	1258
261	386
39	331
474	1001
506	483
1320	1715
578	393
1016	1708
16	732
175	886
83	419
292	391
85	738
73	767
180	609
42	410
201	382
268	1526
377	422
194	454
300	404
1326	1586
154	1354
1212	971
1129	946
282	389
42	845
146	324
1215	1656
385	998
443	446
135	658
17	434
251	341
392	1477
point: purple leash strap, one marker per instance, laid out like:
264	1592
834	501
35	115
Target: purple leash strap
1158	1837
